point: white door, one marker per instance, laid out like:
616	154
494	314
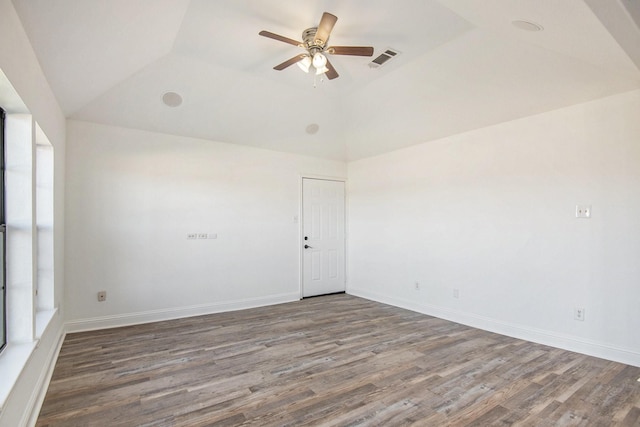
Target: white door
323	218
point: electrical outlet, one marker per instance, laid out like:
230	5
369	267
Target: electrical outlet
203	236
583	211
456	293
578	313
417	286
191	236
102	296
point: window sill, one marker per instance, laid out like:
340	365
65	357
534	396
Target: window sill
15	356
12	361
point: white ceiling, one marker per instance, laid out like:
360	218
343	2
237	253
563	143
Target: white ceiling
462	66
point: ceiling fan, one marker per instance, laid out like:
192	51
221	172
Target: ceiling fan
315	41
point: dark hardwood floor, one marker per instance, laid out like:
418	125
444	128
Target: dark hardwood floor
335	360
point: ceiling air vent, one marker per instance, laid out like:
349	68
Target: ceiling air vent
384	57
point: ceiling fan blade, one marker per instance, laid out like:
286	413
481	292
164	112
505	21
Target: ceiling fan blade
332	73
279	38
351	50
289	62
324	28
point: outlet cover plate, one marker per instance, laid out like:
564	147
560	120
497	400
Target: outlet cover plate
583	211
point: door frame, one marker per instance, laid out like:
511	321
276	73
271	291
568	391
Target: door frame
301	226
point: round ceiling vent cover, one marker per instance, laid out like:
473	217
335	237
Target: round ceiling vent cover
527	26
312	128
172	99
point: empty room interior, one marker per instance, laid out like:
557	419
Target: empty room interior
281	213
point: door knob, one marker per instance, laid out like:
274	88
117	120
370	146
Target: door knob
307	247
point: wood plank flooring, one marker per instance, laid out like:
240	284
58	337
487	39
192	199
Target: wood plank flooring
336	360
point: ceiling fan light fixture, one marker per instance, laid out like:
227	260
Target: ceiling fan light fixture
321	70
304	64
319	61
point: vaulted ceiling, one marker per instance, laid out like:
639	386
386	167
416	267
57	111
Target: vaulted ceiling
462	65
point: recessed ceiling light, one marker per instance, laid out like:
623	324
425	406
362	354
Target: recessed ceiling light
172	99
312	128
527	25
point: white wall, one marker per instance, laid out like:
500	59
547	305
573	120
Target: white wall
133	197
20	66
492	214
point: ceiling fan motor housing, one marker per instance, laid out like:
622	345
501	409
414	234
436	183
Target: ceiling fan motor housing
308	38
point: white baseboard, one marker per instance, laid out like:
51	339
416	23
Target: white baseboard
553	339
117	320
30	416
